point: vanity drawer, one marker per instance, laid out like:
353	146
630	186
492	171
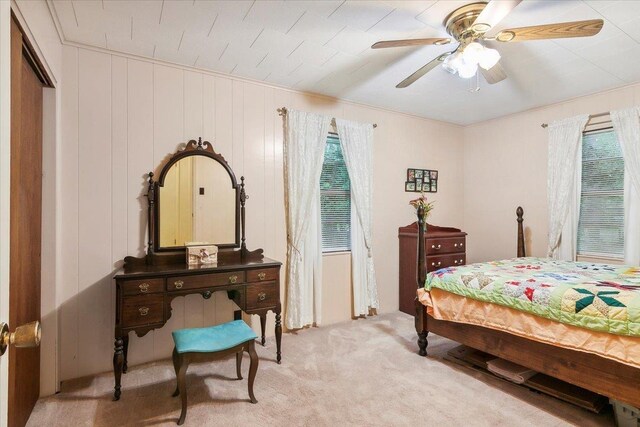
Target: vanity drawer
263	275
142	310
178	283
441	261
445	246
262	296
141	287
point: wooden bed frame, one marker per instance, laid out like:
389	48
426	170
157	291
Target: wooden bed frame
598	374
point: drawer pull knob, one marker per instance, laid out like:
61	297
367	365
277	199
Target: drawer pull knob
178	284
461	261
436	265
261	276
455	261
436	247
144	287
143	311
233	279
455	245
262	296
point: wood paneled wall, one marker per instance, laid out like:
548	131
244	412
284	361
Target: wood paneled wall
121	117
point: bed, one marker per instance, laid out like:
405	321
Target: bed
578	322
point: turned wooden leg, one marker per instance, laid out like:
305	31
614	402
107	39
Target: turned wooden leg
253	368
421	328
422	343
278	335
125	351
239	364
176	368
263	324
118	362
182	386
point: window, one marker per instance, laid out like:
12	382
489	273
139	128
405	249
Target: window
601	224
335	199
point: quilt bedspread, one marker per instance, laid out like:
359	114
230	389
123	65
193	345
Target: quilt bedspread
594	296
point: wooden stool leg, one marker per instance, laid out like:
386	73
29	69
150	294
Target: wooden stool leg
253	368
176	368
182	386
239	364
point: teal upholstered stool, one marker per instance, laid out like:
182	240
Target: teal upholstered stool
215	342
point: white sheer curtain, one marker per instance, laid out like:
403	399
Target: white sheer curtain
563	185
356	140
305	138
626	124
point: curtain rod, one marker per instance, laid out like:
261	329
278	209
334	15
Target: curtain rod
283	112
591	116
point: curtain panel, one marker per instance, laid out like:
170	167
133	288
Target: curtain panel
356	140
305	136
564	185
626	124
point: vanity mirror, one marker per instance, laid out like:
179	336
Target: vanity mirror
197	201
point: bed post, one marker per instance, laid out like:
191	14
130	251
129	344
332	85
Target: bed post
519	214
421	319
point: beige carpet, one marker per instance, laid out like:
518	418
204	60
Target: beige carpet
358	373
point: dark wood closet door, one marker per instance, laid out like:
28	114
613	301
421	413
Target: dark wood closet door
25	227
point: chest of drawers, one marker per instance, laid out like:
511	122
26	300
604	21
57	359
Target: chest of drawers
444	247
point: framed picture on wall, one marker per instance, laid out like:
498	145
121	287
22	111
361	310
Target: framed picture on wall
421	180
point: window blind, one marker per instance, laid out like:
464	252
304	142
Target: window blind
335	199
601	224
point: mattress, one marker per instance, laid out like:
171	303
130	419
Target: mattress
596	297
443	305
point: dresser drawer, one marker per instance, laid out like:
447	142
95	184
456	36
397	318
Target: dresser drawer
142	310
445	246
263	275
262	296
437	262
141	287
177	283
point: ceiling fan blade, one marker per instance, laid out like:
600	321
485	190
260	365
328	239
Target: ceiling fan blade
410	42
422	71
494	75
551	31
492	14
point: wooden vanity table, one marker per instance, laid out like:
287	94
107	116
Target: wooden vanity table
147	285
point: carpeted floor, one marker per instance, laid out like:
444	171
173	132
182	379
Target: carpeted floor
358	373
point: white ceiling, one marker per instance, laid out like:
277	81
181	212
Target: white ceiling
324	47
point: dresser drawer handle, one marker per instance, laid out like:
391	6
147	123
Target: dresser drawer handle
178	284
144	287
233	279
461	262
455	261
262	296
261	276
436	265
436	247
455	245
143	311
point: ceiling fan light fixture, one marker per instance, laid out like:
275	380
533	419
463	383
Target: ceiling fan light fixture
467	70
473	52
489	58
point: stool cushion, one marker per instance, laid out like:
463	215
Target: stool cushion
213	338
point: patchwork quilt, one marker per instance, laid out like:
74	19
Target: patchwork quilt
594	296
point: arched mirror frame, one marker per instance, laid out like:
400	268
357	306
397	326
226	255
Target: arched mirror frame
193	148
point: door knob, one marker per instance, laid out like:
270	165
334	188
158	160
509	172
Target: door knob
27	335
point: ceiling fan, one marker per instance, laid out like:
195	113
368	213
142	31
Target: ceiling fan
469	26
